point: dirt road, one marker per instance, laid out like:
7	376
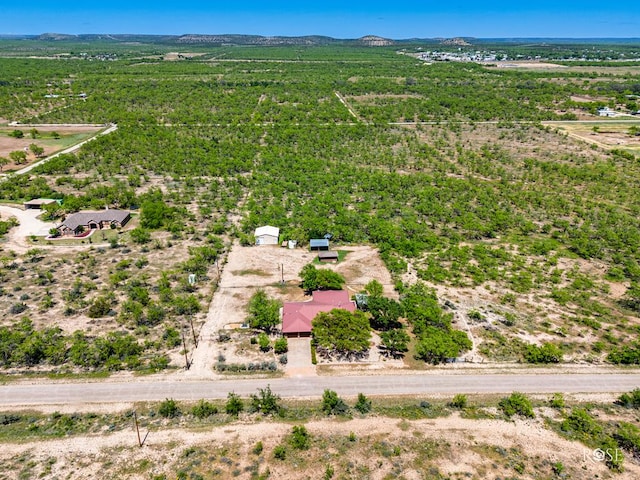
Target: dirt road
296	387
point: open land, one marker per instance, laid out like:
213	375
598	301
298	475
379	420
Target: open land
475	182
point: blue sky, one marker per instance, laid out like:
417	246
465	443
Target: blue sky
340	19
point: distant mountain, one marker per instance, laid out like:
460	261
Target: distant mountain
308	40
374	41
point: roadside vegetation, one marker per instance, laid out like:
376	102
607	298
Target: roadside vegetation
297	439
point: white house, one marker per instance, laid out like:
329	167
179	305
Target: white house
267	235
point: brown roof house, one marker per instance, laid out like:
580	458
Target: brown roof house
79	222
297	316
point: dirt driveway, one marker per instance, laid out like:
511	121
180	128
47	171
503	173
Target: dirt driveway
29	225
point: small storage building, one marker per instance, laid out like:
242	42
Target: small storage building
38	203
319	244
267	235
328	256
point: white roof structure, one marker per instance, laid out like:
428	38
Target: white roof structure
267	230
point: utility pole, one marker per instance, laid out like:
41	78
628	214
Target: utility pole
135	420
193	332
184	347
282	271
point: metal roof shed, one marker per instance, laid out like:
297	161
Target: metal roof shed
319	244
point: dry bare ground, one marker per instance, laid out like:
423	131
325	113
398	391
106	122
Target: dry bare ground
362	448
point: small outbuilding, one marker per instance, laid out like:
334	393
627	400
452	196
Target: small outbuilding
267	235
319	244
38	203
328	256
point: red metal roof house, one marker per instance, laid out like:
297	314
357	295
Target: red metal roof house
297	316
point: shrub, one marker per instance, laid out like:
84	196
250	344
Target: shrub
557	401
169	408
234	404
280	452
459	401
265	402
363	405
257	448
300	439
626	355
332	404
547	353
18	308
263	341
516	404
100	307
204	409
281	346
630	400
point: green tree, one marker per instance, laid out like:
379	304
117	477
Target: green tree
421	308
374	288
3	162
155	214
140	235
342	333
385	313
264	312
395	342
34	133
37	150
18	156
437	345
320	279
17	134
